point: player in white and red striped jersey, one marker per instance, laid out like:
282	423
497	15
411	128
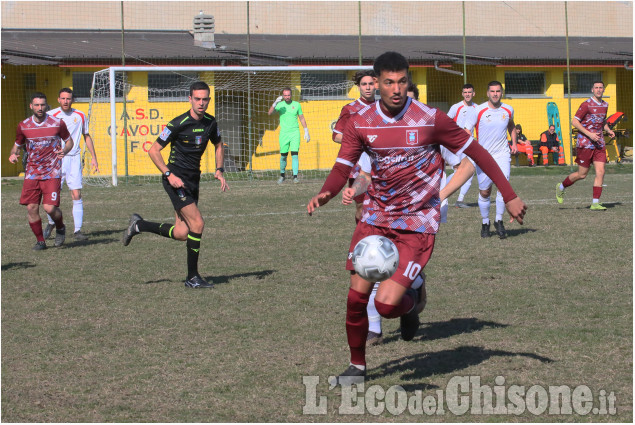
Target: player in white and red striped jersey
77	125
460	112
42	136
402	137
590	120
491	123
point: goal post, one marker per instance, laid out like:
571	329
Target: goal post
240	100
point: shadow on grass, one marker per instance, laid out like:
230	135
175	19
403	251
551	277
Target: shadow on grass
521	231
21	265
448	328
225	279
419	366
608	205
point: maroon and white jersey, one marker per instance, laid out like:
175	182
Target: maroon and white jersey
41	141
592	116
406	163
347	111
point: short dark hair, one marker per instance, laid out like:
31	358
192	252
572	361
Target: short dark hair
199	85
38	95
66	90
390	61
467	86
494	83
357	78
551	125
414	89
287	89
519	127
598	82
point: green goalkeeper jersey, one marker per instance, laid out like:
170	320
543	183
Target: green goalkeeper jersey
289	113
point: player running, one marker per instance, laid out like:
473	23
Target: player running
290	112
460	112
492	121
188	134
589	121
41	135
402	137
77	125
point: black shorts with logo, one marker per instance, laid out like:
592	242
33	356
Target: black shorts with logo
183	196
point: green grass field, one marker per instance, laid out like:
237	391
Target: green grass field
98	332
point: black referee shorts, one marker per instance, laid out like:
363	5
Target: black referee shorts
182	196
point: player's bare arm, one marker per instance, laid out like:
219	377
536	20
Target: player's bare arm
219	152
511	129
307	138
157	159
578	126
461	175
516	209
317	201
359	186
91	148
68	145
338	138
610	132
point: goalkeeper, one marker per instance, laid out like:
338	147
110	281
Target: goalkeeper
290	111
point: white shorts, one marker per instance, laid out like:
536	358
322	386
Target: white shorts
72	171
504	163
451	160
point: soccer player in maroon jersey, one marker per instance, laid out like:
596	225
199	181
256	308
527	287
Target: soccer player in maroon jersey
402	137
41	135
589	121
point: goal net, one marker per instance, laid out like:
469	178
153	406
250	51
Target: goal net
146	99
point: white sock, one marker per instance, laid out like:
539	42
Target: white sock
78	213
500	207
561	186
50	219
595	201
374	319
483	205
359	366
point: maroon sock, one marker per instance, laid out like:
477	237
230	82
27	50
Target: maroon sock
597	192
567	182
36	227
392	311
59	223
357	325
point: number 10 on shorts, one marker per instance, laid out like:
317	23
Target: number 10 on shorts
412	270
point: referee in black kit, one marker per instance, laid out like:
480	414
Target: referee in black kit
188	135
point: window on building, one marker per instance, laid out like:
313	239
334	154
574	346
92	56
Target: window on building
581	82
324	85
83	81
170	86
525	83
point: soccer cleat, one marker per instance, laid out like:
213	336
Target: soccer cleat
39	246
596	206
296	180
197	282
559	194
374	338
48	230
352	375
60	236
461	204
485	231
410	321
280	180
500	229
132	229
79	236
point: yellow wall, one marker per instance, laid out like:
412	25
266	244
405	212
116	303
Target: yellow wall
147	119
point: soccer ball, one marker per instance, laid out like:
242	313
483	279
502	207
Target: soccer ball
375	258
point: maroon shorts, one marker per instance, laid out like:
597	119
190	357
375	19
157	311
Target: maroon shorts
415	249
586	157
44	191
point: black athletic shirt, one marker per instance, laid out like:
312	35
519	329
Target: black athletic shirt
189	139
